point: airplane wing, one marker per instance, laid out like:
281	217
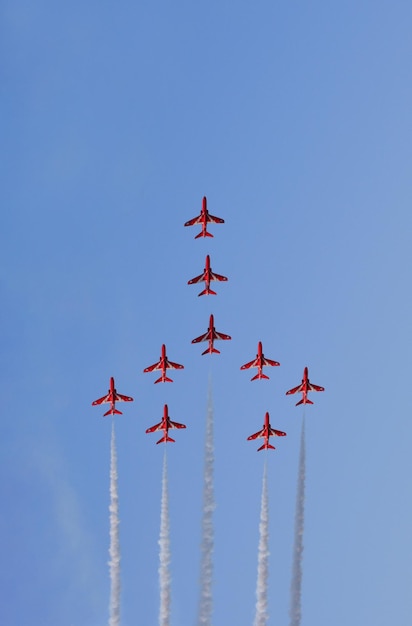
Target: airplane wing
204	337
195	220
217	277
260	433
277	433
197	279
266	361
294	390
152	429
315	387
121	398
176	425
214	219
247	366
151	368
175	366
101	400
221	335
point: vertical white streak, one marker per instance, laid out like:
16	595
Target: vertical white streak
164	552
206	568
296	584
261	615
114	563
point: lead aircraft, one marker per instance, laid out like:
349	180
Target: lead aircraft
267	432
211	335
207	277
305	387
112	397
259	362
163	364
204	219
165	425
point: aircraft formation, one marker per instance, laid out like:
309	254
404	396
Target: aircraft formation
211	335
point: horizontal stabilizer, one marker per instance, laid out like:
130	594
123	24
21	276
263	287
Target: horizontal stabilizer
164	439
210	350
203	234
207	292
304	401
163	379
260	375
112	412
266	446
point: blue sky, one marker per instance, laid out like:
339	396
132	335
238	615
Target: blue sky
295	122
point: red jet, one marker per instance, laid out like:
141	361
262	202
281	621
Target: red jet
266	432
210	336
164	425
207	277
112	397
305	387
259	362
163	365
204	219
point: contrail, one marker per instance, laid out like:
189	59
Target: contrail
164	554
206	568
296	585
261	615
114	563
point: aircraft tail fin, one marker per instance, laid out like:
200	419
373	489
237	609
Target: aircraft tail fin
113	412
266	446
210	350
261	375
303	401
207	292
203	234
163	379
164	439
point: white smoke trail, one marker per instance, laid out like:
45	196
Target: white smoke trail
206	568
164	553
114	563
296	584
261	615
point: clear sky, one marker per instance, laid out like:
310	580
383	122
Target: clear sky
294	119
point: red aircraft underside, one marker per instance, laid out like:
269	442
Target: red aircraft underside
207	277
112	397
163	364
204	219
260	361
211	335
304	388
165	425
267	432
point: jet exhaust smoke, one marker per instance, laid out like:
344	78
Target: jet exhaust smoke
206	568
296	584
114	551
261	615
164	552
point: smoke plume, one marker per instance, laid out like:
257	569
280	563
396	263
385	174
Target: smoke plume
261	615
164	552
296	585
206	568
114	551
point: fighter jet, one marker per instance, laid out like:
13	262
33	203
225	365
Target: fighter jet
164	425
211	335
204	219
266	432
112	397
207	277
163	364
305	387
259	362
